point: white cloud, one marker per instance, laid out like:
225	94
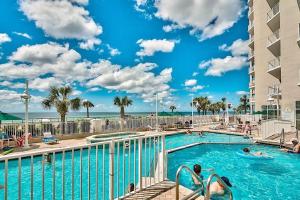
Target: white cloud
239	93
204	18
195	88
195	74
219	66
150	47
136	80
113	51
25	35
43	84
63	19
94	89
238	47
10	84
4	38
190	82
54	64
204	64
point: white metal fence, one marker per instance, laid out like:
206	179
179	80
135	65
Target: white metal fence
272	127
93	171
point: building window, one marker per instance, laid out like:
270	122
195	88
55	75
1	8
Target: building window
270	111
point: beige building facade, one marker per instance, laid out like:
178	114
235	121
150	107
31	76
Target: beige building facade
274	57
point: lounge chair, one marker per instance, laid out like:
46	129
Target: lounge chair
49	138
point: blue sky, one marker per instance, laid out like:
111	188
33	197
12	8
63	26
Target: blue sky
124	47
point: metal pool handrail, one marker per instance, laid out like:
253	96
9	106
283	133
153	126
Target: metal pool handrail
193	174
207	196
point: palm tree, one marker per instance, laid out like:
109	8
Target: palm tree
87	104
172	108
60	99
201	103
122	103
223	104
244	103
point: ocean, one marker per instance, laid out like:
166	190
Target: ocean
50	115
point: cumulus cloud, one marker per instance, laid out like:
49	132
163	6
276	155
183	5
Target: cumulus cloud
239	93
113	51
204	18
150	47
10	84
25	35
237	48
195	88
190	82
136	80
219	66
52	64
4	38
63	19
195	74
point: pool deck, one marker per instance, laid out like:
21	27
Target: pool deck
36	147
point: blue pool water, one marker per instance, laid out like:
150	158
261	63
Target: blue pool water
172	141
251	179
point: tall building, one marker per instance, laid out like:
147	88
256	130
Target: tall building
274	57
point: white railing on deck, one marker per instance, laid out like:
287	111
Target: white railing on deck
272	127
92	171
91	126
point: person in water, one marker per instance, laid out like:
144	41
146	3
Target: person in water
217	188
130	187
247	151
296	146
188	132
47	158
197	169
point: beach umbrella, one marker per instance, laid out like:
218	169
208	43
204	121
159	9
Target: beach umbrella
6	116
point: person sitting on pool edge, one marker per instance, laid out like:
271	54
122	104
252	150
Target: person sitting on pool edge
197	170
247	151
217	188
296	146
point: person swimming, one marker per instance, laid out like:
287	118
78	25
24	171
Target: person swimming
247	151
47	158
188	132
197	169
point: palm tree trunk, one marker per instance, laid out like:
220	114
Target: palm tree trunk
87	112
122	112
62	123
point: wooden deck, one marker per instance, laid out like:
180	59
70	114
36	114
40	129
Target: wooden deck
161	191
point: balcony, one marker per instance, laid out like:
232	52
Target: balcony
251	27
251	42
298	39
250	3
250	13
273	18
274	92
251	69
251	84
272	3
274	43
251	56
252	99
274	68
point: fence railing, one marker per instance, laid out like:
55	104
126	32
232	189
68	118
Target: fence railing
274	37
274	63
92	126
106	170
274	11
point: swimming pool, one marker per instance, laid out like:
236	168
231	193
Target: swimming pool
251	179
126	165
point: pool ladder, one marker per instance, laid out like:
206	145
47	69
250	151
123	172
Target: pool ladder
200	190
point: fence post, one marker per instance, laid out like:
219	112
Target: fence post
165	159
111	169
140	163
